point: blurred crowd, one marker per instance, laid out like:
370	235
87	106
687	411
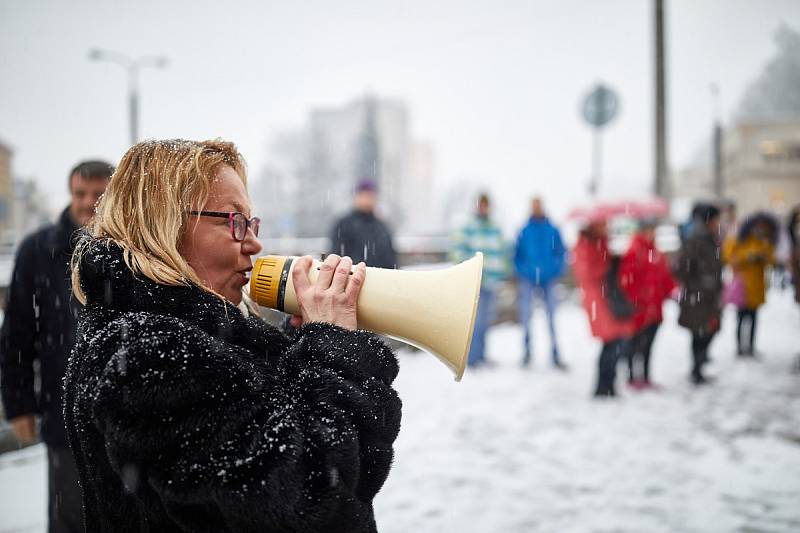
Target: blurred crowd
721	261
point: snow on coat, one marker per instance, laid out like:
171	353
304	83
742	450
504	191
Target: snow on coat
647	280
592	260
185	415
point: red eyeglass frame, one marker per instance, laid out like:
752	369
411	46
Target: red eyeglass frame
252	223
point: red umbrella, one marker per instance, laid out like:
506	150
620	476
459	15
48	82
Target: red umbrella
653	208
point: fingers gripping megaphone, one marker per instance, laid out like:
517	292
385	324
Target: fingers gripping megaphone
433	310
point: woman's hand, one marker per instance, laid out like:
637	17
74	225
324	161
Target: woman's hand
24	427
333	298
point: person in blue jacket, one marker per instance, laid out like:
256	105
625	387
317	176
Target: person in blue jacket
539	259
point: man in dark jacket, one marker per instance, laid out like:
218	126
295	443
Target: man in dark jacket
361	235
539	259
699	269
40	323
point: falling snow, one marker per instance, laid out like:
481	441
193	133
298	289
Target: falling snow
520	451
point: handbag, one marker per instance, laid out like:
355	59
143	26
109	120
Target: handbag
733	292
618	302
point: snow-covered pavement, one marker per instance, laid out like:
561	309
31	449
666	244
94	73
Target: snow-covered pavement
509	450
512	450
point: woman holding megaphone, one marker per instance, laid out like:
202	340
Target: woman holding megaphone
187	413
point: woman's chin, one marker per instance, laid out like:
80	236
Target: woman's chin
233	295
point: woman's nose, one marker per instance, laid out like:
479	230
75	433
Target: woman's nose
251	245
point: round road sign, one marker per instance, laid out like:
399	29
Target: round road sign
600	106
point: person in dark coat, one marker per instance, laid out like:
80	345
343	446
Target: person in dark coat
699	270
361	234
39	326
793	227
185	412
592	264
539	258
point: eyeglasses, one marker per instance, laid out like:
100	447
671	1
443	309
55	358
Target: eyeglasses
237	221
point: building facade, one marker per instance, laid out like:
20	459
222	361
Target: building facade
311	173
760	167
367	138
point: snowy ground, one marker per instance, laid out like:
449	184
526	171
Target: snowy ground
516	451
508	450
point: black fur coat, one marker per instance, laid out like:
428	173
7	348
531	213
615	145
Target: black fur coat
185	415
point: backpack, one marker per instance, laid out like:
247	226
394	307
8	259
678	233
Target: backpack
618	302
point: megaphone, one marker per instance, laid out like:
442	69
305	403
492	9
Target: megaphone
432	310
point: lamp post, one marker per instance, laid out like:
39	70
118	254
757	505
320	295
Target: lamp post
716	140
660	171
132	67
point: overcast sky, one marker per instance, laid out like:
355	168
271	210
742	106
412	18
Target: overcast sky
496	90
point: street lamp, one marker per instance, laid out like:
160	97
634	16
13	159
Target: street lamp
716	142
132	67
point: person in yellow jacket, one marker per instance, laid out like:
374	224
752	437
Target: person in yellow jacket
749	254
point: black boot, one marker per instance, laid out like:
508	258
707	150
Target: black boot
699	358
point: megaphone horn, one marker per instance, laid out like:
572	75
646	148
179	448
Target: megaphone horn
433	310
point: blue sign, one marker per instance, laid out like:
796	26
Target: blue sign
600	106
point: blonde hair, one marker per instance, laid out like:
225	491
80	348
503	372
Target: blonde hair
146	206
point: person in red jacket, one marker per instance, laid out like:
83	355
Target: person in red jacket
592	263
646	278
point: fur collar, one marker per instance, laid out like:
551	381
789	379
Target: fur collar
109	283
